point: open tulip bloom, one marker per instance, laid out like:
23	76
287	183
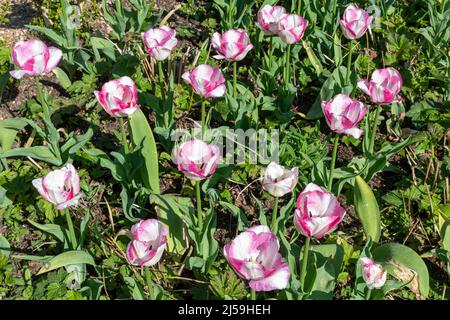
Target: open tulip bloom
291	28
34	58
278	180
160	42
232	45
254	255
355	22
206	81
373	273
268	18
148	244
343	114
118	97
384	86
60	187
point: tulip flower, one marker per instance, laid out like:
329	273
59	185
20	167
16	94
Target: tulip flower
160	42
197	159
148	244
254	255
118	97
343	114
278	181
291	28
60	187
206	81
34	58
373	273
384	86
268	18
232	45
318	212
355	22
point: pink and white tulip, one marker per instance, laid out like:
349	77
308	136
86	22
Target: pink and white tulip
254	255
160	42
232	45
278	180
197	159
343	114
318	212
373	273
206	81
34	58
291	28
60	187
148	244
384	86
118	97
355	22
268	18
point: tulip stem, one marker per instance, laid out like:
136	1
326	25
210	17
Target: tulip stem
368	294
352	46
73	238
124	136
304	262
148	279
299	6
203	119
270	52
235	80
333	162
374	129
253	294
42	100
161	81
274	214
199	206
287	66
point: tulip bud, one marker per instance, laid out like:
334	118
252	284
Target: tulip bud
384	86
118	97
206	81
233	45
254	255
343	114
197	159
268	18
355	22
148	244
34	58
373	273
60	187
160	42
318	212
291	28
278	181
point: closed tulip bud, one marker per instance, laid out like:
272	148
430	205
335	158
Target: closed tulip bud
373	273
60	187
291	28
148	244
118	97
197	159
160	42
232	45
355	22
268	18
254	255
278	181
384	86
318	212
206	81
34	58
343	114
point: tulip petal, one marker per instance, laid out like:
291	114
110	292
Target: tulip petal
278	280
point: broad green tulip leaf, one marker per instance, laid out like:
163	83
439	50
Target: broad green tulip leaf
141	135
444	225
136	290
5	248
62	77
171	210
367	209
237	212
403	262
39	152
67	258
8	131
53	229
74	143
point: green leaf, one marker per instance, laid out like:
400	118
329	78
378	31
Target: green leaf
38	152
53	229
62	77
402	262
237	212
141	134
8	131
367	209
5	248
67	258
74	143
